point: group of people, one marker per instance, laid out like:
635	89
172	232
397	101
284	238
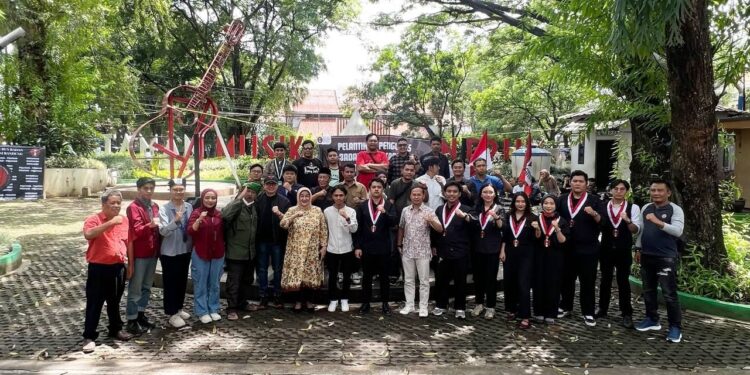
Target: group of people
291	216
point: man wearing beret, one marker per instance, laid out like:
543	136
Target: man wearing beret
240	222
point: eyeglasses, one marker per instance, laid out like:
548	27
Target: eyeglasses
403	145
307	148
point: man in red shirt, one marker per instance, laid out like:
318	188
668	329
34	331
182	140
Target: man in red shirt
371	162
107	234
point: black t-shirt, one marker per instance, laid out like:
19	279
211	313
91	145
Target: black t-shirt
584	230
307	171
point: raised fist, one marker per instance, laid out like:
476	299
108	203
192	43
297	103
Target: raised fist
535	224
116	220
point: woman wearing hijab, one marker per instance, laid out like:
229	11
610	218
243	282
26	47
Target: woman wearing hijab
176	246
548	261
305	249
487	250
205	227
520	235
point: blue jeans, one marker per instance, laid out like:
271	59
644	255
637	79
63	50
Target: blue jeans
273	251
206	276
139	286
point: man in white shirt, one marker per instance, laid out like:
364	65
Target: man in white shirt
342	223
433	181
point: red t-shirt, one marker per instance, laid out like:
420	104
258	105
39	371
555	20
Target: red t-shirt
109	247
365	157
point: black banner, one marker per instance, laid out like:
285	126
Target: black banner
21	172
348	146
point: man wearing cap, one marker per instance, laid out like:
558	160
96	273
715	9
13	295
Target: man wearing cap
240	222
275	167
322	195
289	185
143	251
271	240
107	235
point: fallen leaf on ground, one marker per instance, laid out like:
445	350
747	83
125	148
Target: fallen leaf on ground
278	320
429	354
140	342
331	323
338	341
246	316
308	328
301	348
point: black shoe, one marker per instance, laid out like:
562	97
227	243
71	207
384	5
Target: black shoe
277	303
134	328
627	321
263	303
386	309
143	321
365	308
600	314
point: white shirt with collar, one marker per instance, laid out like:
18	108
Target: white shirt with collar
434	189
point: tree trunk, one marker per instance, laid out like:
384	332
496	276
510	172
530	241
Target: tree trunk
695	133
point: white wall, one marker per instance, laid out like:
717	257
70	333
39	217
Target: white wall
68	182
589	165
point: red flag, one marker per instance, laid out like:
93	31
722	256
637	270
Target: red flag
525	176
482	151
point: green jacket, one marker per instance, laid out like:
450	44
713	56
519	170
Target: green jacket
240	225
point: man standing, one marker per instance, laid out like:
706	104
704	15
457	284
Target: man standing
255	173
548	184
275	167
143	250
397	162
308	166
332	159
356	192
240	224
290	186
468	190
271	241
398	191
452	246
481	177
107	235
436	143
657	253
622	222
372	161
433	181
372	243
581	210
322	195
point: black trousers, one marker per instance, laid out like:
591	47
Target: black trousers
396	267
376	264
548	266
451	270
485	278
517	268
239	282
581	267
175	275
336	263
657	271
104	283
621	259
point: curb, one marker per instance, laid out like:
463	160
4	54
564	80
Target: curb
702	304
11	261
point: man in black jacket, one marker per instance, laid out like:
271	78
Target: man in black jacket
583	212
372	243
271	240
452	247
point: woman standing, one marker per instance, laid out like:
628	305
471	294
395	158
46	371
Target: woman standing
548	261
208	258
342	222
486	252
305	249
414	245
517	254
175	255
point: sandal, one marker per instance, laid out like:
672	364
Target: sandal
309	307
525	324
510	317
297	307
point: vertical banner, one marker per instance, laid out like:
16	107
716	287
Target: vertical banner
21	172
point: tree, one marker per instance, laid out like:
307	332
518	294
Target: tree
421	82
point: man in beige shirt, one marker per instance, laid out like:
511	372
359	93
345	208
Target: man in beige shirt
356	192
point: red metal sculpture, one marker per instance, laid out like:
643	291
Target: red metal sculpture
190	107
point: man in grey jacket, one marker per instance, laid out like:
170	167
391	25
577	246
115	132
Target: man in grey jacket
656	251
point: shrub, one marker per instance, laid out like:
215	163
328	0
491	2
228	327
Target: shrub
121	162
5	242
69	161
729	191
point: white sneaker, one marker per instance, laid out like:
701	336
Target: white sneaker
89	346
205	319
589	321
332	306
215	317
562	313
183	314
477	310
423	312
460	314
406	310
489	313
344	305
176	321
438	311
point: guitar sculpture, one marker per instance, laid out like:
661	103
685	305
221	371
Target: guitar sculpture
190	107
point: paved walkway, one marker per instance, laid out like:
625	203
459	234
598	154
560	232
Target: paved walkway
41	318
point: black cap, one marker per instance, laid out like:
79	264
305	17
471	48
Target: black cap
325	170
271	180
